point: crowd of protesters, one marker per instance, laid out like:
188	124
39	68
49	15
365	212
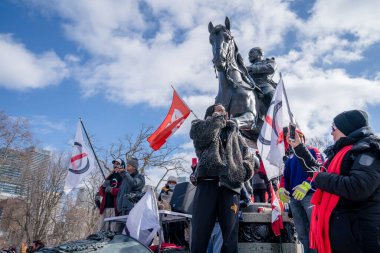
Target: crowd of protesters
334	203
334	198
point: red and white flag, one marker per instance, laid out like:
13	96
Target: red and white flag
278	116
82	162
277	223
177	114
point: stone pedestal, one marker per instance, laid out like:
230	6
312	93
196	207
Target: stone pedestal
256	235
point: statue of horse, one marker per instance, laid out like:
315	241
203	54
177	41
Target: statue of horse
237	91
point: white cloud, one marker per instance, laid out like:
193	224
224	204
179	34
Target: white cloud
138	48
46	126
21	69
342	30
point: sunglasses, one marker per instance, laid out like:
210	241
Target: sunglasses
333	128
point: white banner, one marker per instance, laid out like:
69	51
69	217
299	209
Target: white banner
278	116
82	162
144	217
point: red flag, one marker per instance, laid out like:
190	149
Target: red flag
177	114
277	223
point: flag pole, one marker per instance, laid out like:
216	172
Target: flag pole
93	151
185	103
287	101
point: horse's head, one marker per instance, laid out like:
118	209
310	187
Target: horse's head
222	44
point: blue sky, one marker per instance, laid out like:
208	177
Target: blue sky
112	62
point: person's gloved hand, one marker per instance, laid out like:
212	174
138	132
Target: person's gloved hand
300	191
106	183
193	179
108	189
284	195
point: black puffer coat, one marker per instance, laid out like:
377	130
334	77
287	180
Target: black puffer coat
232	164
355	221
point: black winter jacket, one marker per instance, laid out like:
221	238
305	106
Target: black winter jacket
130	189
355	221
232	164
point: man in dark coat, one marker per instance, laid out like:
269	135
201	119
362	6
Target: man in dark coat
224	165
346	215
131	187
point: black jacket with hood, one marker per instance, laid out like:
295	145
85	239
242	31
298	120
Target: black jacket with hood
355	221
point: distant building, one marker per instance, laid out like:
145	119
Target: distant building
12	164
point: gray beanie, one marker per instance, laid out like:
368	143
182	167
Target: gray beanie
133	161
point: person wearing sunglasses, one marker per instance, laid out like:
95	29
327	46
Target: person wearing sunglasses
346	213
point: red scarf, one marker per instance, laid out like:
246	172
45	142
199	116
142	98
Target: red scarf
324	203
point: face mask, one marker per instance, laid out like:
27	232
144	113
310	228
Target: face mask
171	186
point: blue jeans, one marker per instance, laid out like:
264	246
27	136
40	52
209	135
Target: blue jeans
301	210
216	240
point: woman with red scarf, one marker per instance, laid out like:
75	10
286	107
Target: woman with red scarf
346	213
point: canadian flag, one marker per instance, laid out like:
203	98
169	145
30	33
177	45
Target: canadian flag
177	114
277	223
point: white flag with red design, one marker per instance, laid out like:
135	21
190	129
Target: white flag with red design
82	162
177	114
277	223
270	147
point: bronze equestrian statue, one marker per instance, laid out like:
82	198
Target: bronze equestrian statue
237	91
261	71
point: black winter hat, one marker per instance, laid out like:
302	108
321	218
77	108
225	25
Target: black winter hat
349	121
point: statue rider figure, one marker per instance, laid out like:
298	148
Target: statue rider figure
261	71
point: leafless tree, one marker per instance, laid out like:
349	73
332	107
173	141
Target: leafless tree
14	134
321	143
136	145
32	214
42	192
87	202
42	211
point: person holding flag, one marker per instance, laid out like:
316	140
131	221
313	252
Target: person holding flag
295	188
346	203
224	164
